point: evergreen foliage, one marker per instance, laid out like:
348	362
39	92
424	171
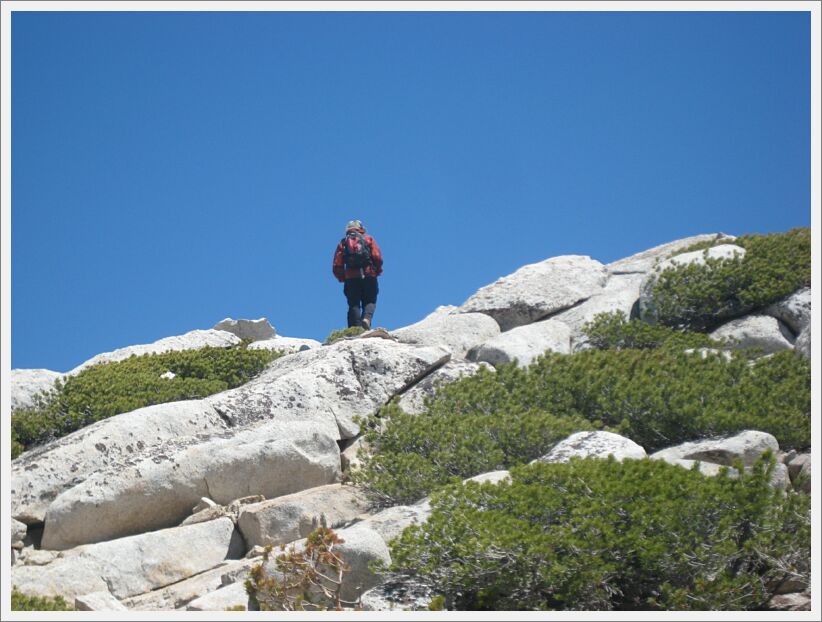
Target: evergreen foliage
656	397
614	331
342	333
602	535
26	602
702	296
108	389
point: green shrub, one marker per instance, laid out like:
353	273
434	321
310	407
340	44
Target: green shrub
473	426
603	535
656	397
26	602
108	389
351	331
614	331
702	296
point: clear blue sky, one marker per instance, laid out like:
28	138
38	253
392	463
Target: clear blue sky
173	169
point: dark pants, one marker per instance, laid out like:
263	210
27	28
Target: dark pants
362	299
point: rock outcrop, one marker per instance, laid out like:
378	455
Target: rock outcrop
253	330
133	565
523	344
156	494
326	387
170	506
288	518
794	311
456	332
746	446
594	445
192	340
645	261
26	384
756	331
538	290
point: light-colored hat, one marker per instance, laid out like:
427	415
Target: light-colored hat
354	224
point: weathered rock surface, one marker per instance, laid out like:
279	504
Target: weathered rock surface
289	345
647	308
621	293
791	602
456	332
645	261
192	340
794	311
594	445
492	477
98	601
338	382
390	522
326	387
349	457
524	343
273	459
133	565
402	594
39	475
538	290
229	596
178	595
799	470
255	330
413	400
18	533
803	343
360	547
746	446
756	331
291	517
780	479
232	510
25	384
31	556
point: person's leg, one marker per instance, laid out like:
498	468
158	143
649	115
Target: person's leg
353	293
369	300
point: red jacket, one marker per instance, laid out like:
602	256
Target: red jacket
375	269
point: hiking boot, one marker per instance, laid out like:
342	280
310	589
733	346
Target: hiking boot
365	323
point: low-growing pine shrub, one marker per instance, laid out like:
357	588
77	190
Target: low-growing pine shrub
656	397
108	389
614	331
27	602
602	535
702	296
351	331
473	426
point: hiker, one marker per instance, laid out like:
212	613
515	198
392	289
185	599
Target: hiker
358	263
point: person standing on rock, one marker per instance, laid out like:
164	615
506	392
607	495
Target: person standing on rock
357	264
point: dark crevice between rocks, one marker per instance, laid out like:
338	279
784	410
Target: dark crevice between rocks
552	314
345	443
421	376
34	535
225	417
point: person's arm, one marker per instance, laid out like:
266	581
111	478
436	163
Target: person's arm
338	267
376	255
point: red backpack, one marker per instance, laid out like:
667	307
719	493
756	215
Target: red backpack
356	251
